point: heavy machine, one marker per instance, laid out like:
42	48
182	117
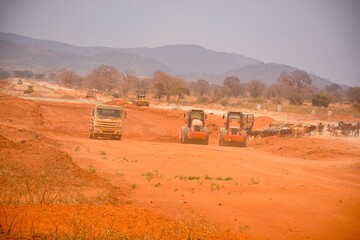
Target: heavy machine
19	81
141	98
90	94
107	121
195	131
116	95
234	132
29	90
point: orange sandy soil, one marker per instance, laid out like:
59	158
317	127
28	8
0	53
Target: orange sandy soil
303	188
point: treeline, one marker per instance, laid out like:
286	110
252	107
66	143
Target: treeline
295	87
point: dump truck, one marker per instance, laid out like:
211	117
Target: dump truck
106	121
141	98
90	94
29	90
236	126
195	131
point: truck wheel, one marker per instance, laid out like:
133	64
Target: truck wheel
91	133
206	141
222	138
181	134
243	133
185	139
119	137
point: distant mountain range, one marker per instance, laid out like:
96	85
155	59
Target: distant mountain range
187	61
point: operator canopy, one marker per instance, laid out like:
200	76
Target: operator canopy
197	122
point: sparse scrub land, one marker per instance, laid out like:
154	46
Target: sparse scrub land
92	169
78	222
53	179
158	185
215	186
253	181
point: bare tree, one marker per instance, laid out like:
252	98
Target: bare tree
104	77
354	94
297	79
256	88
215	88
201	87
159	89
273	91
333	88
336	91
179	91
233	85
128	81
69	78
169	82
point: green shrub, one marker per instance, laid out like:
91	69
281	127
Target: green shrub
224	102
320	101
296	99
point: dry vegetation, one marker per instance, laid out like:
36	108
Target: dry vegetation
294	91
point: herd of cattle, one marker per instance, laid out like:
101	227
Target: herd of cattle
340	129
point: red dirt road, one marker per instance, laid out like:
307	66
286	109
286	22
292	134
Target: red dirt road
302	188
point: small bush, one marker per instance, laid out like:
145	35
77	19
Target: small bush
217	97
193	178
276	100
320	101
253	181
92	169
207	177
202	100
296	99
224	102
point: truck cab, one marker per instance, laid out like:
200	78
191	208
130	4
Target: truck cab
106	121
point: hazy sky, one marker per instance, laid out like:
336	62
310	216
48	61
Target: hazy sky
319	36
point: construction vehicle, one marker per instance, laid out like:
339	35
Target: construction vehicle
106	121
116	95
141	98
29	90
195	131
90	94
236	126
19	81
